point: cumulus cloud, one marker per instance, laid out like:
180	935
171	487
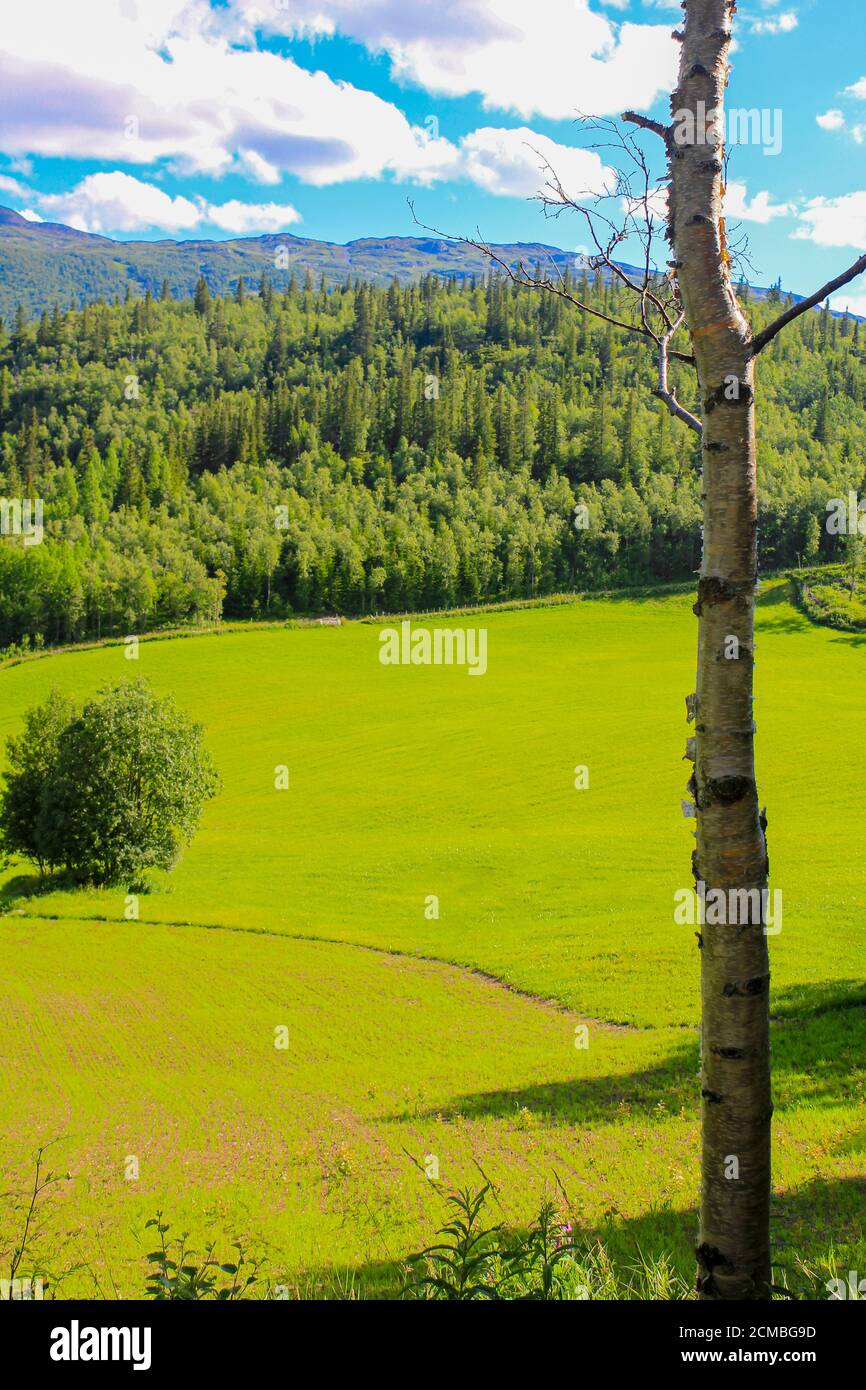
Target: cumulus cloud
258	168
9	185
835	221
243	218
739	207
854	303
760	208
545	59
166	82
513	162
778	24
117	202
187	85
505	162
831	120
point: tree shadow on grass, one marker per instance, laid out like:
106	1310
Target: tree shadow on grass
819	1222
29	885
818	1040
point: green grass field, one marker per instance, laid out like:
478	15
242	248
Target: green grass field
452	1036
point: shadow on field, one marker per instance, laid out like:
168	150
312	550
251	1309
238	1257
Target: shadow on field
31	886
805	1226
818	1041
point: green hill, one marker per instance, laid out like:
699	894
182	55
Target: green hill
46	263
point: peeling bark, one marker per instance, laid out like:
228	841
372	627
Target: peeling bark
734	1247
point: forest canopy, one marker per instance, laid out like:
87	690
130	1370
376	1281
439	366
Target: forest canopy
363	449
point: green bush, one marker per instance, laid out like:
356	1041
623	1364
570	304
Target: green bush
108	791
833	596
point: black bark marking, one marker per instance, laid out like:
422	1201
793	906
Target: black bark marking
725	791
744	654
719	396
709	1257
712	590
746	989
712	1097
730	1054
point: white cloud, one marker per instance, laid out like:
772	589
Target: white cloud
117	202
501	161
165	82
779	24
249	217
831	120
738	206
545	58
857	89
512	162
12	186
761	208
835	221
854	303
30	216
258	169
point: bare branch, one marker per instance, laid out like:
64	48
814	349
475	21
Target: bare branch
646	123
663	391
522	277
760	340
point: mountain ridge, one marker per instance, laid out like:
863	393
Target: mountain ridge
42	263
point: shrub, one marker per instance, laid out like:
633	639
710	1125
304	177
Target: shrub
109	791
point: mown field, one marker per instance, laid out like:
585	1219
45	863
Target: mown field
452	1036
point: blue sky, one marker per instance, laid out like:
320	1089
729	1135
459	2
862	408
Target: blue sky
218	118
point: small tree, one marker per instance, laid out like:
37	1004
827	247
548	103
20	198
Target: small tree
120	792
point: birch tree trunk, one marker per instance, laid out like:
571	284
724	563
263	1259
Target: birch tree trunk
734	1246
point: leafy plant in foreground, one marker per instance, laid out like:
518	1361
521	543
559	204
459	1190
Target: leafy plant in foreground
463	1265
179	1274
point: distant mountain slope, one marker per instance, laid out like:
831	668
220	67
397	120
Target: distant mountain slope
42	263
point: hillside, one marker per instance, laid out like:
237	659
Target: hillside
44	263
375	449
41	263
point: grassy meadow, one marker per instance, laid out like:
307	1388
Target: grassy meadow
409	1034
